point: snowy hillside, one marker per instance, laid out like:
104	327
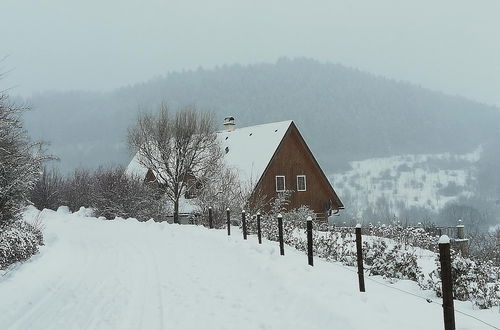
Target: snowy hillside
122	274
426	180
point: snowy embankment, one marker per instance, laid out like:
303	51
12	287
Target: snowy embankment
122	274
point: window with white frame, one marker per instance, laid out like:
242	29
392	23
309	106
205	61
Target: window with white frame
280	183
301	183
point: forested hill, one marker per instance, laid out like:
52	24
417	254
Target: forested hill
343	113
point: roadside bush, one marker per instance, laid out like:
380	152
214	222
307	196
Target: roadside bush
78	189
397	262
413	236
48	191
114	194
109	192
335	246
20	165
473	280
18	242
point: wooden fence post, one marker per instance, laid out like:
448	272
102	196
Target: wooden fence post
359	250
259	233
447	283
310	241
280	234
461	242
244	224
228	218
210	218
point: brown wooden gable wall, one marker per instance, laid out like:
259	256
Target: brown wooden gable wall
291	159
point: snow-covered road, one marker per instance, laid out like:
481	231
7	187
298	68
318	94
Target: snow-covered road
95	274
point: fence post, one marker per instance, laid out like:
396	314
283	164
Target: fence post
228	217
447	283
461	242
280	234
210	218
244	224
310	240
259	233
359	250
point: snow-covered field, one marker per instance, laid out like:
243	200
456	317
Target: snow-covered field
426	180
122	274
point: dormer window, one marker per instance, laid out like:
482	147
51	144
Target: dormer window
280	183
301	183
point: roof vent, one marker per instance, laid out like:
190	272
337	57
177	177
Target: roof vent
229	124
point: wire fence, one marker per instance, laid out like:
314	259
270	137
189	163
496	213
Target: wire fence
449	231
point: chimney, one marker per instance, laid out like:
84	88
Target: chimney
229	124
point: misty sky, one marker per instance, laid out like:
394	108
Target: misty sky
452	46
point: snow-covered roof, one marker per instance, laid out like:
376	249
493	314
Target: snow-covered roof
135	168
249	150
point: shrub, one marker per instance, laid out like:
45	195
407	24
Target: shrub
18	242
114	194
108	191
78	190
47	192
473	280
398	262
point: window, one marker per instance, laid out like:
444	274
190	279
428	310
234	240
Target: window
280	183
301	183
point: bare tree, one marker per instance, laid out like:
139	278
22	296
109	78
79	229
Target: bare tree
180	149
221	191
20	162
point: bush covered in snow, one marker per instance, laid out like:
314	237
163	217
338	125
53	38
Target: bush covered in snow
116	195
293	220
485	246
333	245
473	280
20	164
108	191
412	236
18	242
397	262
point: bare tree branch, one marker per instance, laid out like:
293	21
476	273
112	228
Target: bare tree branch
176	147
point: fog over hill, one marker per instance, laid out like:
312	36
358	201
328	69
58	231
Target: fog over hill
343	113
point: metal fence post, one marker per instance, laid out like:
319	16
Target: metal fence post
310	241
259	233
228	217
244	224
280	234
359	250
447	283
210	218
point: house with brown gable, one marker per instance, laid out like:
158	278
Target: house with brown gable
270	159
274	158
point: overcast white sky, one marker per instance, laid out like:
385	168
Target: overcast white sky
452	46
